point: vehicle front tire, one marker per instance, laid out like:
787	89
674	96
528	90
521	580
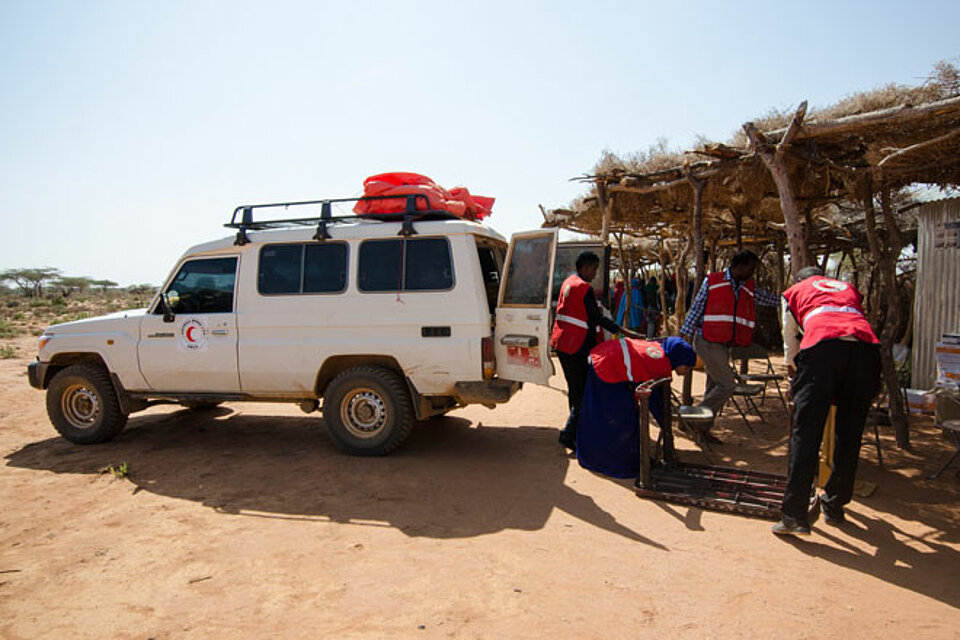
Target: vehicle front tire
367	411
82	405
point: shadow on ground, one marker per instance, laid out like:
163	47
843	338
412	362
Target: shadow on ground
449	480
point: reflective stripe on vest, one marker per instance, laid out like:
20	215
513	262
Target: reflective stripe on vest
743	321
571	320
830	309
626	358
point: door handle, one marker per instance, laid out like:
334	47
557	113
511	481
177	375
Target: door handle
519	341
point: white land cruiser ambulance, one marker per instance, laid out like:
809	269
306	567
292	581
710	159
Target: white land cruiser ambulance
384	320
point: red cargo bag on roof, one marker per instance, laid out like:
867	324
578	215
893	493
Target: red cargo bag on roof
458	201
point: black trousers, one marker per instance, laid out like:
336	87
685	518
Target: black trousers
838	372
575	367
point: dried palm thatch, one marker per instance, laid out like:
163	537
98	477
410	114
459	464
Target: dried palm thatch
903	135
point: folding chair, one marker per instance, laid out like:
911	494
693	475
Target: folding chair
949	427
747	391
757	352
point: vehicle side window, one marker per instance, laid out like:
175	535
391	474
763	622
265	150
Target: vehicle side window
280	268
412	264
325	268
428	266
302	268
204	286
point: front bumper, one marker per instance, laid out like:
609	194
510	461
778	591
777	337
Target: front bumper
37	374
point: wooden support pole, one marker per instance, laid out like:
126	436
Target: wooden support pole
663	286
774	158
738	222
781	268
885	259
605	209
698	184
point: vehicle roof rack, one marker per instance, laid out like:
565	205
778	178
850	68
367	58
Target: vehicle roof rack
243	216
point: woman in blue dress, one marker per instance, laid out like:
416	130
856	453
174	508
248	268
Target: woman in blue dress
607	436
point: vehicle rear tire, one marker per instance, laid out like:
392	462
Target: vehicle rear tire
367	411
82	405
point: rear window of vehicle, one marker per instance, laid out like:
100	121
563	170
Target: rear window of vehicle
302	268
405	264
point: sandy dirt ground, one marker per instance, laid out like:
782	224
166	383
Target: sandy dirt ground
245	522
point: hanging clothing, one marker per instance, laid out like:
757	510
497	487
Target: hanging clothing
632	319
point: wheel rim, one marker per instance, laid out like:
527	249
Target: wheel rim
81	406
363	412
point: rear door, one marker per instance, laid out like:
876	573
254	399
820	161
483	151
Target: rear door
522	334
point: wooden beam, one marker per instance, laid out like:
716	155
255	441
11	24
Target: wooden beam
894	115
920	146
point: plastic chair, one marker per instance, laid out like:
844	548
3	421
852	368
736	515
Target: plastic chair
691	418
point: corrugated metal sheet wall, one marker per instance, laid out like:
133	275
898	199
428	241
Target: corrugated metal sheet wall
937	304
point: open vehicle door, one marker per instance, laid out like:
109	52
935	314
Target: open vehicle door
522	334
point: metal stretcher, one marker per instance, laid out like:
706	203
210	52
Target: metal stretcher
717	488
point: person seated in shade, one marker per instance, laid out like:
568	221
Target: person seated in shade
607	437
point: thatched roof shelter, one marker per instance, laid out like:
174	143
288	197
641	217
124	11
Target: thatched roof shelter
810	183
902	135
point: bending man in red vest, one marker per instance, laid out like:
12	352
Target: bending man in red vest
575	334
722	316
838	363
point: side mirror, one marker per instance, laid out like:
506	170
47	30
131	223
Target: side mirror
168	301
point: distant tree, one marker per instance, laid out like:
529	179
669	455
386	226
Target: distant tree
72	284
142	289
30	281
103	284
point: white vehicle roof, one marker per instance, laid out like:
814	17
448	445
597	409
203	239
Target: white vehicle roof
352	229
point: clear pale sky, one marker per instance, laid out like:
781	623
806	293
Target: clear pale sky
130	130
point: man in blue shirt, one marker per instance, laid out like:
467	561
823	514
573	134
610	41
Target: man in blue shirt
716	355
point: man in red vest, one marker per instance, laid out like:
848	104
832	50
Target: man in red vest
575	334
722	316
837	362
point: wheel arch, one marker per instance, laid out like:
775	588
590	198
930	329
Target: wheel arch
335	365
61	361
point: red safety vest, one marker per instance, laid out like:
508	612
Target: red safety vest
728	319
630	360
570	326
826	308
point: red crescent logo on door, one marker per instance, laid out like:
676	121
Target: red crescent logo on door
193	336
